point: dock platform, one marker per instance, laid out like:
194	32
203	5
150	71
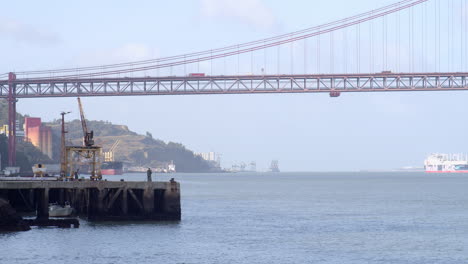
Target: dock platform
97	200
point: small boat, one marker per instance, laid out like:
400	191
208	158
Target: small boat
56	210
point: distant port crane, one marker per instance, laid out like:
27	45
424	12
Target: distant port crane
109	155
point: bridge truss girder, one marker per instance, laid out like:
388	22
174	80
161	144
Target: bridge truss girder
250	84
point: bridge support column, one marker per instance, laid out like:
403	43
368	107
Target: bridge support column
11	120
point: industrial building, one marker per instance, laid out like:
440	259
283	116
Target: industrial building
38	134
208	156
213	158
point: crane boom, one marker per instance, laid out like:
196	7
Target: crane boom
87	136
116	143
83	120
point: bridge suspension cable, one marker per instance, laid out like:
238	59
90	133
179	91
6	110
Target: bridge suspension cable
196	57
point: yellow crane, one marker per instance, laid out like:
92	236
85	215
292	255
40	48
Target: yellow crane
88	140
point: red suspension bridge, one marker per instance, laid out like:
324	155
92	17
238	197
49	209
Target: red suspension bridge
426	51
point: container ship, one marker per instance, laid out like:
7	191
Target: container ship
112	168
446	163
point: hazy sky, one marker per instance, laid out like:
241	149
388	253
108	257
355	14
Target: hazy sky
302	131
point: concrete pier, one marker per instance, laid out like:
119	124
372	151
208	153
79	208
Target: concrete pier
97	200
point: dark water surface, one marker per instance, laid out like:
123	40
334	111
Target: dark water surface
276	218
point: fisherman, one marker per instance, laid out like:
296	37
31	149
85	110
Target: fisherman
76	174
148	173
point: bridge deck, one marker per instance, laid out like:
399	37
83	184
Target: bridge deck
250	84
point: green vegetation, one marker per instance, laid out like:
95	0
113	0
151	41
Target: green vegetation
4	113
26	155
3	150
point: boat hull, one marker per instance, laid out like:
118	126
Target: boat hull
111	171
112	168
59	211
460	171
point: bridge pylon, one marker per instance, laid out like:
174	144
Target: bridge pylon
11	119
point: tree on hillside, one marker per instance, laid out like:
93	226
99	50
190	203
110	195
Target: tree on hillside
3	151
26	155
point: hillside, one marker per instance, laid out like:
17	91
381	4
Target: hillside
133	149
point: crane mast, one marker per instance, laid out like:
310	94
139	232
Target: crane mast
88	140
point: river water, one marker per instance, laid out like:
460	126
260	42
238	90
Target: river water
275	218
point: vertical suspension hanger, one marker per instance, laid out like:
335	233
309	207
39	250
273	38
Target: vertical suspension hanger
358	41
278	59
292	56
345	49
305	56
264	59
461	36
371	40
251	63
439	35
383	44
332	58
398	37
318	51
238	60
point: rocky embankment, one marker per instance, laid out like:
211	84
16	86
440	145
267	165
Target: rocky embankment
9	219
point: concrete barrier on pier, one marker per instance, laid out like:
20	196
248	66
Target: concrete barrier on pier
97	200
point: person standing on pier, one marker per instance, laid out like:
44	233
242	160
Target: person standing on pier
148	174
